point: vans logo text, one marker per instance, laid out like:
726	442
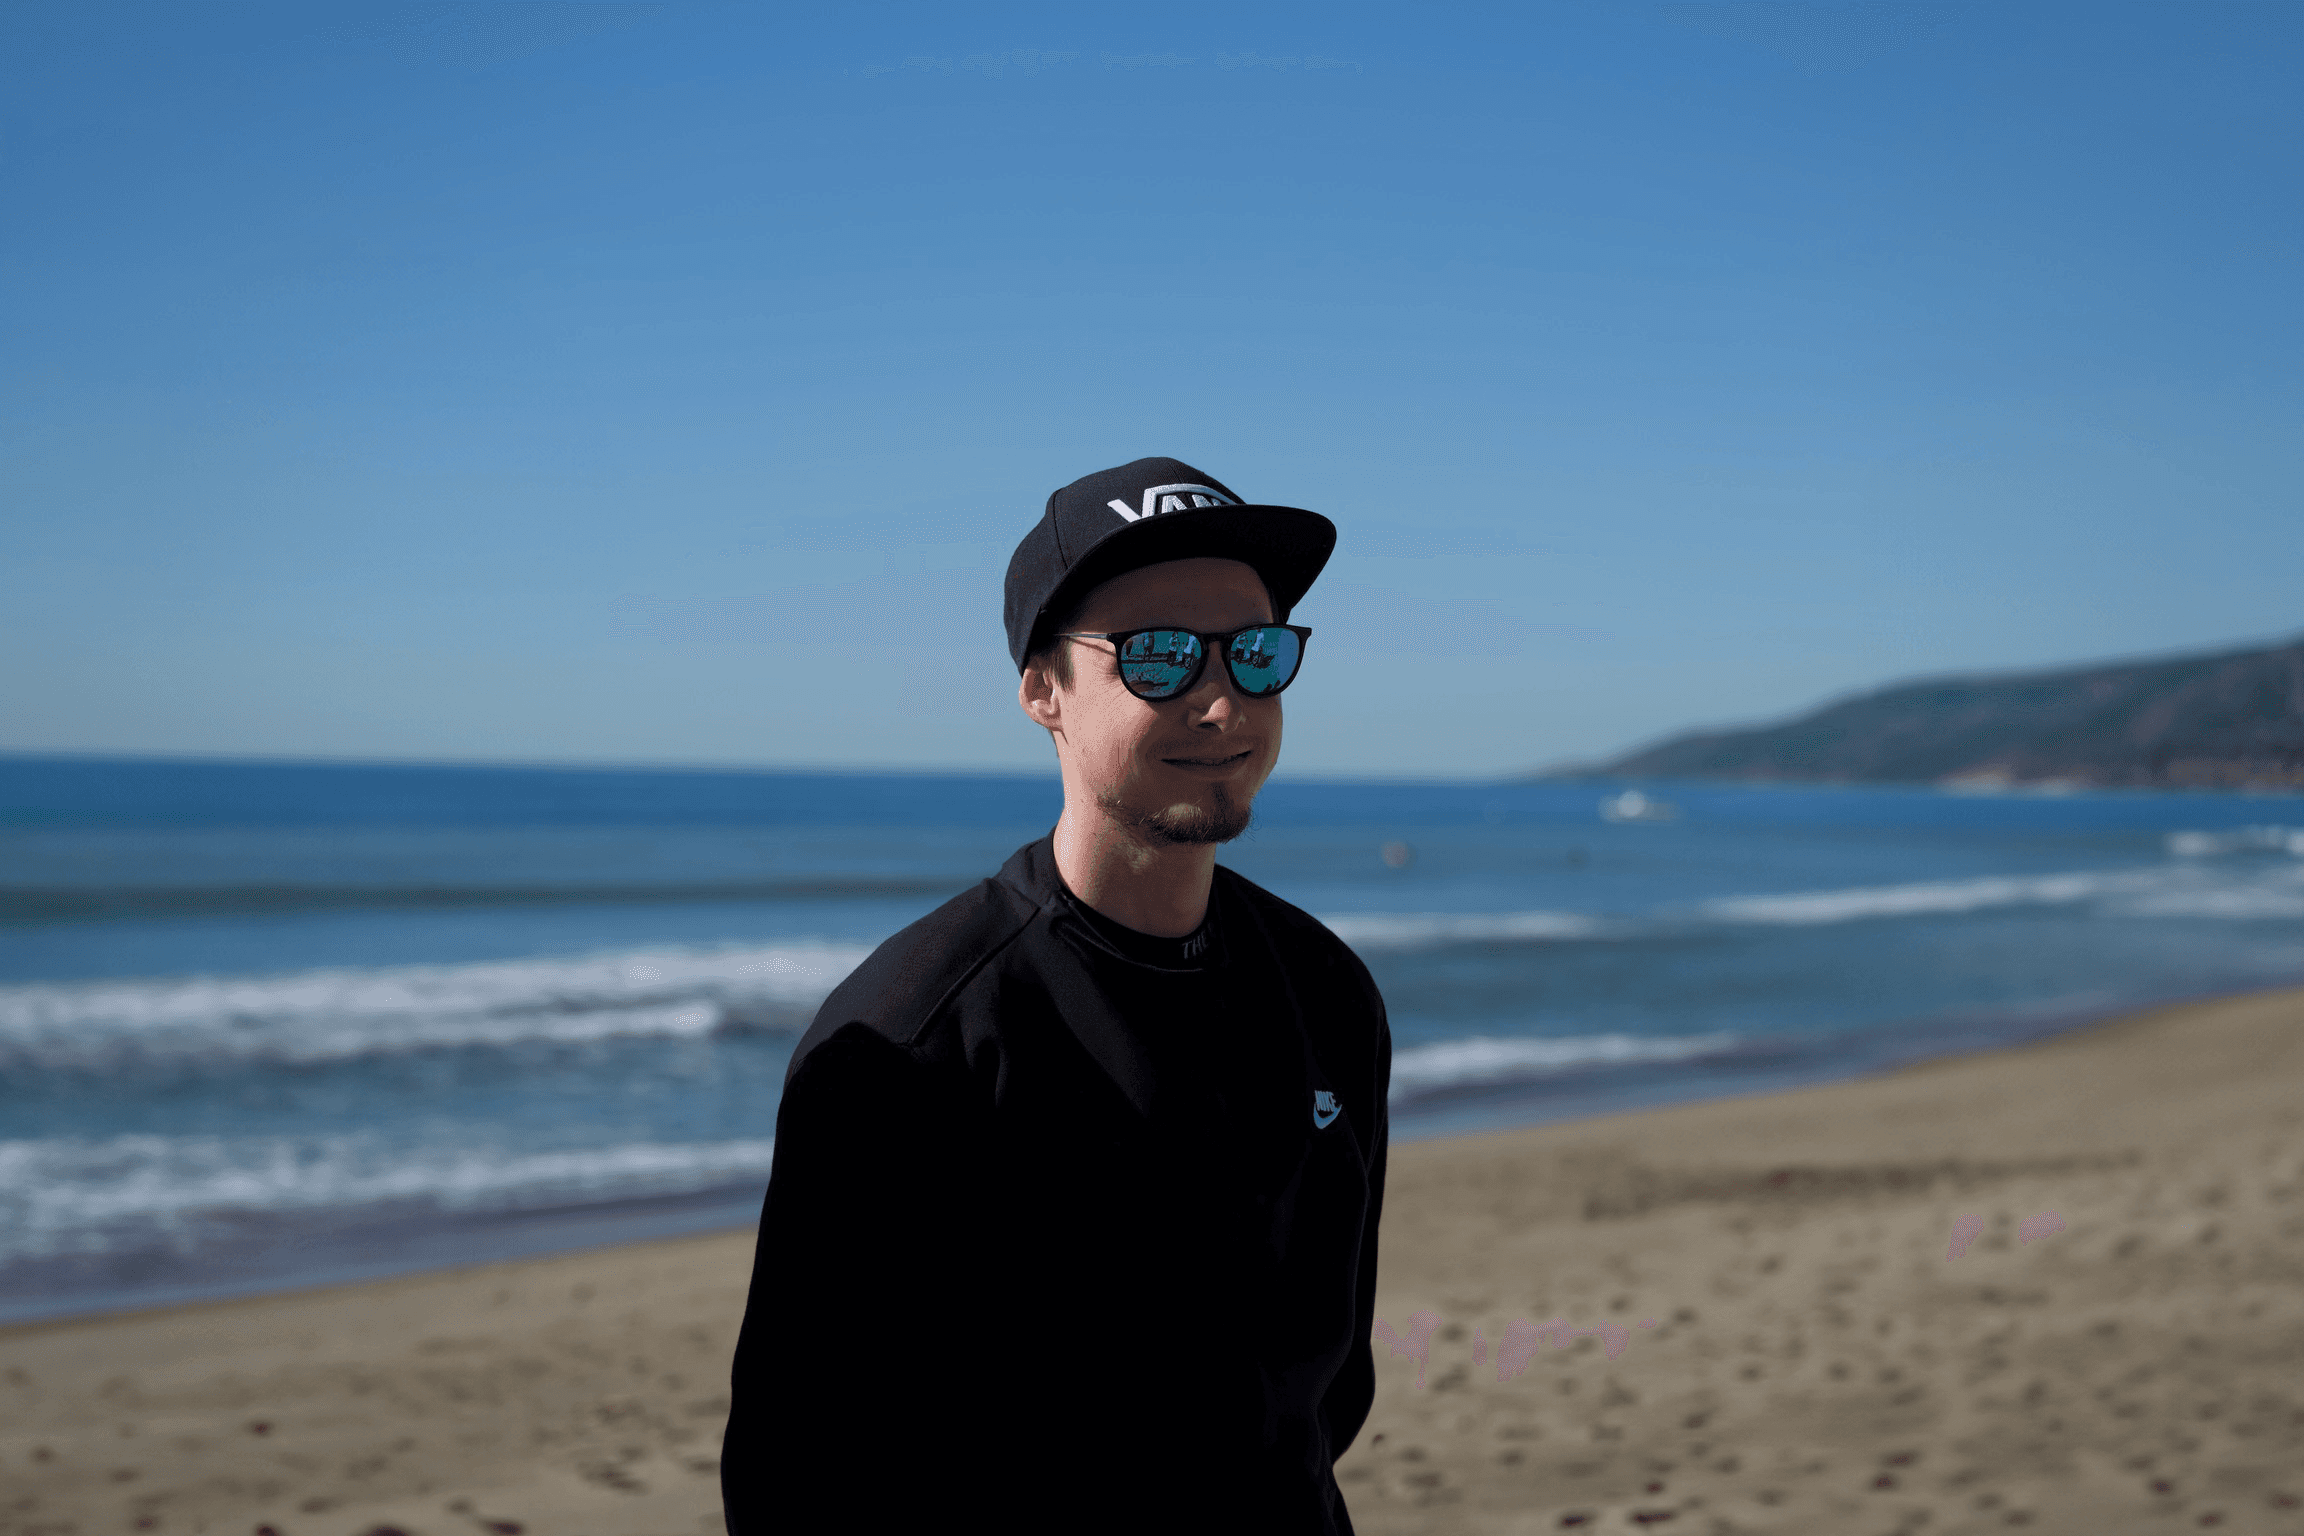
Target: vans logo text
1172	498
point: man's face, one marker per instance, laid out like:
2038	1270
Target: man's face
1179	770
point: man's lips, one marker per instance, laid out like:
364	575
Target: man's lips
1231	761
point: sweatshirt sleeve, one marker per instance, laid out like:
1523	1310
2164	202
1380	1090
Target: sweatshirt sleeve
1344	1408
842	1396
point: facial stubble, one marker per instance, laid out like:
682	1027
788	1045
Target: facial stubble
1184	824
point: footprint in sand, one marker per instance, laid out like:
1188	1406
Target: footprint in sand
2042	1225
1520	1344
1967	1228
1418	1345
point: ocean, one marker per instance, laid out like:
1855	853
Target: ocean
267	1025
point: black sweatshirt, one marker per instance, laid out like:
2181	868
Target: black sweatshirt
1070	1228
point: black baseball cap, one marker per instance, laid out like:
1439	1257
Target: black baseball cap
1109	523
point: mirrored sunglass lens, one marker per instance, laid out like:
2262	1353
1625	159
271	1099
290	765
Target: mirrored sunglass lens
1263	660
1157	662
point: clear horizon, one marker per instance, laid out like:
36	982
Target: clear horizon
635	386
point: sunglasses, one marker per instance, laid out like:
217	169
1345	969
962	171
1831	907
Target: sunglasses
1162	663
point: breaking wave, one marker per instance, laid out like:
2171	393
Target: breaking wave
1429	930
1482	1061
342	1013
2207	845
98	1195
324	1015
2177	890
1919	899
2189	886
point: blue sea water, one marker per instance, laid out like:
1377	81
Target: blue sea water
268	1024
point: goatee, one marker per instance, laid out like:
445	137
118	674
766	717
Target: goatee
1178	825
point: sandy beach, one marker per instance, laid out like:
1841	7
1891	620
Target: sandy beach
2118	1345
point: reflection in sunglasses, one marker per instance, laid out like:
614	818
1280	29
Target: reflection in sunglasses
1162	663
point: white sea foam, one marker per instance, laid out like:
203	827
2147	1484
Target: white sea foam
322	1015
2206	845
1427	930
1482	1060
2184	888
2187	889
1921	898
672	992
2275	892
97	1195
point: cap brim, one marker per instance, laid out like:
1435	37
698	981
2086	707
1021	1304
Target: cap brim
1286	546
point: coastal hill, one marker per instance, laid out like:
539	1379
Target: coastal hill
2231	720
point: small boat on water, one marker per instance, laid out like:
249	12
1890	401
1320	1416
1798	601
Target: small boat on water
1632	805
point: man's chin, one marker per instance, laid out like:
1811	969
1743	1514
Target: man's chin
1222	819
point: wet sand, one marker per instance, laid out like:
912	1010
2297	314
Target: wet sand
2118	1346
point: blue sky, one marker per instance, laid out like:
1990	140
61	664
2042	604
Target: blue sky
669	383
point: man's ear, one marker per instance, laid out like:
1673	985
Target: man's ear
1036	696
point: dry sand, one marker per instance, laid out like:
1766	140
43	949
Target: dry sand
1819	1361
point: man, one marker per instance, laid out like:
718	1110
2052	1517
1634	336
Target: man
1072	1220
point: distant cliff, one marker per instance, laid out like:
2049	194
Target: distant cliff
2224	721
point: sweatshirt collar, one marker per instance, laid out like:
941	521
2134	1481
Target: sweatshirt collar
1121	1051
1032	870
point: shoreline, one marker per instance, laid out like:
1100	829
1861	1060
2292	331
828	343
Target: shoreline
1818	1360
362	1245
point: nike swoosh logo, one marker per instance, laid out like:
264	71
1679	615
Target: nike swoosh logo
1324	1109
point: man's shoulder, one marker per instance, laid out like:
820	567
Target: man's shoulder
1300	935
903	985
1349	1029
1285	918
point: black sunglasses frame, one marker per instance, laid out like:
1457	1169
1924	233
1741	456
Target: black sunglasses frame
1210	645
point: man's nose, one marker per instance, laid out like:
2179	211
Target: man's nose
1213	696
